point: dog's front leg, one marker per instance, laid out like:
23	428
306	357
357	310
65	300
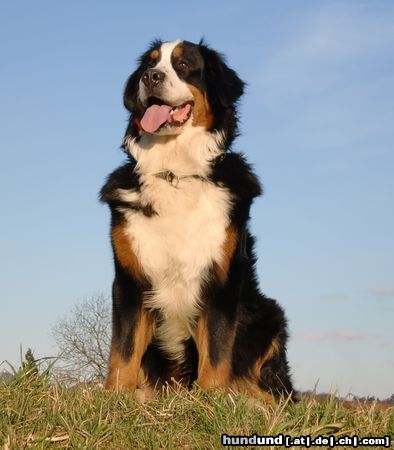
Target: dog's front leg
214	341
132	331
216	327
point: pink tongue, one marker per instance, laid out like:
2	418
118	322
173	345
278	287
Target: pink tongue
181	114
154	117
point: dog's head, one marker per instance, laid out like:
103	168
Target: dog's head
181	84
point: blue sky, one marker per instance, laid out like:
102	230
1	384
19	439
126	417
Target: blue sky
317	123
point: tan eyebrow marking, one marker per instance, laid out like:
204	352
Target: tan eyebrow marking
177	52
154	54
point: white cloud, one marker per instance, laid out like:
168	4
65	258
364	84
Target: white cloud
348	335
388	292
312	336
341	335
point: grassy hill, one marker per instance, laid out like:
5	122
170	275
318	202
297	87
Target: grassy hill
37	413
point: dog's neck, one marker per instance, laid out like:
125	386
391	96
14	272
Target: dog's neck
188	153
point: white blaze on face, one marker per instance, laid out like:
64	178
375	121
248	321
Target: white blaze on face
174	91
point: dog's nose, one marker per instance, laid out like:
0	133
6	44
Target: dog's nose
152	78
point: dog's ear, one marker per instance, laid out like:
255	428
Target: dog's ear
131	90
223	83
130	96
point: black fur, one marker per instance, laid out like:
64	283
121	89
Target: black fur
235	305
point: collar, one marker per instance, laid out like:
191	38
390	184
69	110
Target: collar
174	180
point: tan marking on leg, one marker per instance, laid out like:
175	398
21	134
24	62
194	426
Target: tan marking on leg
124	252
250	387
210	376
202	114
272	350
144	391
123	375
228	249
249	384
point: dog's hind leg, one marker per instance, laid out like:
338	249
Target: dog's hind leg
259	356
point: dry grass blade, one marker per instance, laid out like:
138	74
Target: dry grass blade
64	437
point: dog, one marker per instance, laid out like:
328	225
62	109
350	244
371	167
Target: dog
186	301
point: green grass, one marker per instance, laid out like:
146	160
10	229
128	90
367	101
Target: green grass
36	413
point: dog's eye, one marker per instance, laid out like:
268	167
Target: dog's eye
182	65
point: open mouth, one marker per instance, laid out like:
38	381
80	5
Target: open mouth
158	114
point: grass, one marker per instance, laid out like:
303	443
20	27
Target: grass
36	413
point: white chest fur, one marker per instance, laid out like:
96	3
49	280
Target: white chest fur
177	246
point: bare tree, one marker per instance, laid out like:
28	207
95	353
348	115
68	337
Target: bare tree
83	341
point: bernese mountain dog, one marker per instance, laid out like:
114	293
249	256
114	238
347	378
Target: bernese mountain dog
186	301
